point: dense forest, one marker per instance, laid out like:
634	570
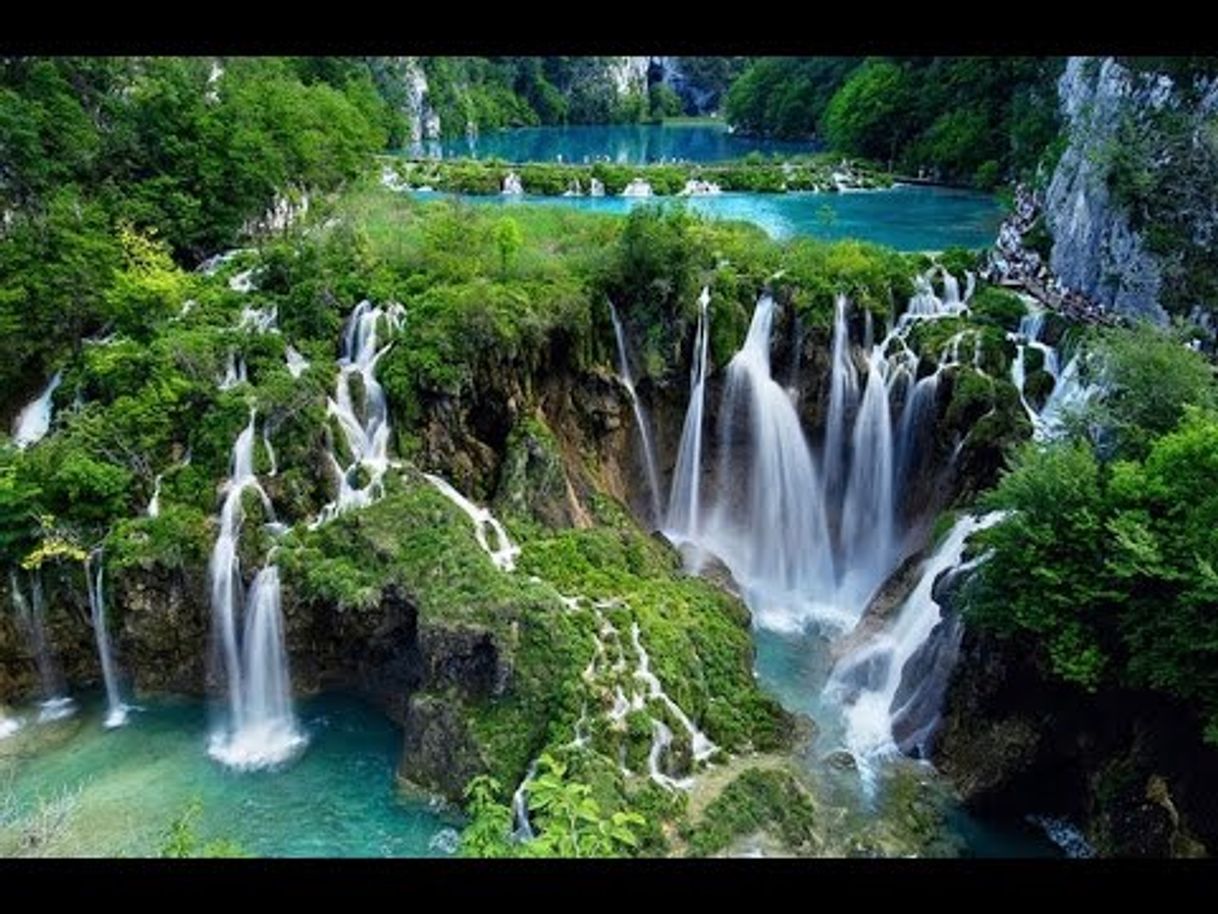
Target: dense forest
978	120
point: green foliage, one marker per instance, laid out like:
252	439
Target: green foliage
181	839
1150	379
488	832
1115	564
971	119
757	800
785	97
998	306
861	114
570	822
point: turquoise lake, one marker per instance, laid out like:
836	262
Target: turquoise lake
337	799
625	143
910	218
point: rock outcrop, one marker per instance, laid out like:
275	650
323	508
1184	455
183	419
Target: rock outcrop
1101	245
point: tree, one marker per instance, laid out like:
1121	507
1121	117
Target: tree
508	241
867	115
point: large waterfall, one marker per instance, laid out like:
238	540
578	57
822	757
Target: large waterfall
640	418
773	536
116	711
366	429
260	730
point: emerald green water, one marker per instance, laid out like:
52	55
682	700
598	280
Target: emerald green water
338	799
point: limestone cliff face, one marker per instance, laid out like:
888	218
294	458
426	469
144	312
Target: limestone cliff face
1101	245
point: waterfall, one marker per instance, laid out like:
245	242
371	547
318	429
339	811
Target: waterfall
55	702
867	544
116	711
522	828
367	437
511	184
265	732
8	725
775	537
914	425
640	418
234	372
154	503
260	730
504	555
951	290
683	501
34	420
296	362
637	188
843	392
868	679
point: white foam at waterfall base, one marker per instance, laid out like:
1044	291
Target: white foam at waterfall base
640	418
34	420
116	710
260	730
774	538
9	726
868	705
504	554
266	733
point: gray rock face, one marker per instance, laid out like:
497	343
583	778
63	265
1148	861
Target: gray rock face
1095	249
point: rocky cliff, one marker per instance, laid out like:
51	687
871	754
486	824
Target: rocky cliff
1132	205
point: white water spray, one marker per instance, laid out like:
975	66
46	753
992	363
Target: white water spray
34	420
116	711
640	418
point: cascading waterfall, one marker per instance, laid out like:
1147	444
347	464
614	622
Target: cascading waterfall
683	502
867	680
504	555
55	702
867	540
775	538
843	392
260	730
640	417
34	420
116	711
366	431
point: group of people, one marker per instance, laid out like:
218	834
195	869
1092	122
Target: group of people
1012	263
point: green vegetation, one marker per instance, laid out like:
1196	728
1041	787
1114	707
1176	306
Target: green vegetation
181	840
758	800
974	120
1112	540
568	820
554	179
